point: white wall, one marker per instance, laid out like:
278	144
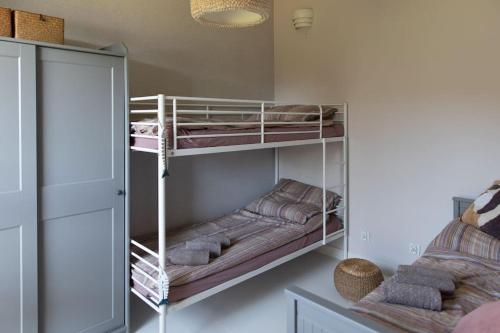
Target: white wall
171	53
422	80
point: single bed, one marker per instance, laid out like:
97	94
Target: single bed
285	220
478	283
471	255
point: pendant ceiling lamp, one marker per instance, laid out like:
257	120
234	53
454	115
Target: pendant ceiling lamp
231	13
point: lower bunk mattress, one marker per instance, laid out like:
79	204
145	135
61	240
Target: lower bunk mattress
256	241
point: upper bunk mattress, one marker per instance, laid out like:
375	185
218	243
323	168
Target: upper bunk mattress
329	131
281	123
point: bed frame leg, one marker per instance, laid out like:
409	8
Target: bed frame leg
163	319
276	165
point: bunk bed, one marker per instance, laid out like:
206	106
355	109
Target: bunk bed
291	220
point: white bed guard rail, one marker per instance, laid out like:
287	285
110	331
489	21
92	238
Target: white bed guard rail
160	107
240	111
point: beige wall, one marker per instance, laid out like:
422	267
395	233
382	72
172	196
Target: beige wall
171	53
423	80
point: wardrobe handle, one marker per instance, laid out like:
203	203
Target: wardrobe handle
120	192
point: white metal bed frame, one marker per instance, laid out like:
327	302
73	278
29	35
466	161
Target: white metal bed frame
176	105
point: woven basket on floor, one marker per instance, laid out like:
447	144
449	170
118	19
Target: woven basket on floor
355	278
5	22
38	27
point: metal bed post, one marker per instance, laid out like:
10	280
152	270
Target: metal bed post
276	165
161	204
321	121
346	182
323	160
262	125
174	122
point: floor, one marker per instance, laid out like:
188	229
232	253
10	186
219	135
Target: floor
257	305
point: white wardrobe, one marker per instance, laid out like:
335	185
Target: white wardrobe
63	225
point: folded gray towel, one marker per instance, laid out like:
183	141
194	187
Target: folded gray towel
421	270
444	285
189	257
213	246
220	237
412	295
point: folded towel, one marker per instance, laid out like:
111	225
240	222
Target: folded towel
428	271
220	237
188	257
213	246
442	284
412	295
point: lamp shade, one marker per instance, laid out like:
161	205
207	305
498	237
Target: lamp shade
231	13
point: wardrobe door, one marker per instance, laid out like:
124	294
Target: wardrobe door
81	110
18	208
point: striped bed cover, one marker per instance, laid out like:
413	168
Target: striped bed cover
252	235
266	224
472	256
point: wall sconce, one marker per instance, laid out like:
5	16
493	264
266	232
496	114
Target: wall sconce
303	18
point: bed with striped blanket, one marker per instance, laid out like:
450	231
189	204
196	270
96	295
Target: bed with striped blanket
282	221
474	259
467	252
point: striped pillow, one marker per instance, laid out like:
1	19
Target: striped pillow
305	193
293	201
484	212
296	113
288	210
462	237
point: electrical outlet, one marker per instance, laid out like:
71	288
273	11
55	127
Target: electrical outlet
414	249
365	236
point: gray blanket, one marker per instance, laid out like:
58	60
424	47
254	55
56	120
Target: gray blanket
412	295
426	271
189	257
442	284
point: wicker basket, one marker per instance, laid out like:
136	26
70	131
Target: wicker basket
5	22
38	27
355	278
